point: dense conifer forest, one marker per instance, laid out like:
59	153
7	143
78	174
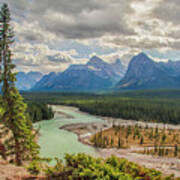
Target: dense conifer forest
150	106
35	111
39	111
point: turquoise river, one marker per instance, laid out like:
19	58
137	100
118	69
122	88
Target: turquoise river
55	142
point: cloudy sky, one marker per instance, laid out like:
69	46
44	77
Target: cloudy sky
52	34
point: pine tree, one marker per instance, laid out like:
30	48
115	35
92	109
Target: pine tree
156	130
112	142
167	152
95	140
4	33
163	138
22	142
119	142
155	148
142	140
175	150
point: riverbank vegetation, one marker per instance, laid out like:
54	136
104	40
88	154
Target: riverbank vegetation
35	111
155	141
86	167
168	152
39	111
150	106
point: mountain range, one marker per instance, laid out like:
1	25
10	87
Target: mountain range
144	73
98	75
26	81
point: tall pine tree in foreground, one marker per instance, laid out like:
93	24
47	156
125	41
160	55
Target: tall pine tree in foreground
21	144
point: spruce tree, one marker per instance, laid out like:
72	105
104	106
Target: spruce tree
4	132
22	142
176	150
119	142
142	140
112	142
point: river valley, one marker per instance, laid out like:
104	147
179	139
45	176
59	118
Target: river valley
67	131
55	142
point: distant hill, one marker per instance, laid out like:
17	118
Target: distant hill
144	73
26	81
96	75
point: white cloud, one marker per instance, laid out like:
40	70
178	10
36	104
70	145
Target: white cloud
32	32
168	11
124	55
42	58
157	59
129	26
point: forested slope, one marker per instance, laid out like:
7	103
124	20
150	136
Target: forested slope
150	106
